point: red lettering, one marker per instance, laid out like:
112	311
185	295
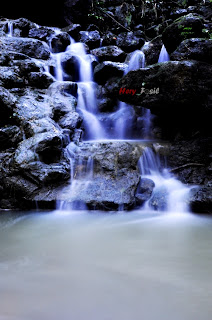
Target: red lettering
122	90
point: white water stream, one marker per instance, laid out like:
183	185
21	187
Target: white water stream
164	56
166	185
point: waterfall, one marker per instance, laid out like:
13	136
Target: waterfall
164	56
10	29
87	104
169	194
81	176
82	169
124	119
137	61
58	67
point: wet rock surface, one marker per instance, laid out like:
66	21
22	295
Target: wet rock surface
129	41
195	48
144	190
201	199
109	53
31	47
152	50
183	88
90	38
185	27
114	179
107	70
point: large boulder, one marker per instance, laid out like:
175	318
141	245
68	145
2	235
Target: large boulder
73	30
106	175
39	80
106	192
109	53
152	50
18	70
108	69
60	42
38	158
90	38
170	90
31	106
201	199
31	47
42	33
185	27
195	48
39	161
129	41
70	65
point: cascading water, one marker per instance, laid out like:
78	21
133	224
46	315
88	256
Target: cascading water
124	115
169	194
164	56
87	104
82	168
137	61
81	174
172	192
10	29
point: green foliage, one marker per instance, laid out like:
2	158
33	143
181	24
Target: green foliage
99	3
187	35
95	16
187	32
129	18
187	29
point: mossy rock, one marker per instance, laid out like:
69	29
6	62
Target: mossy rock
185	27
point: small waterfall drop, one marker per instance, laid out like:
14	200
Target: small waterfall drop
10	29
137	61
164	56
81	174
169	194
58	67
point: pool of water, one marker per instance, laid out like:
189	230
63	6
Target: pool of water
105	266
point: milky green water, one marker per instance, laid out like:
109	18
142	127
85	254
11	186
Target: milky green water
89	266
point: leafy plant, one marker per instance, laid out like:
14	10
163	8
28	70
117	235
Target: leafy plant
129	18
